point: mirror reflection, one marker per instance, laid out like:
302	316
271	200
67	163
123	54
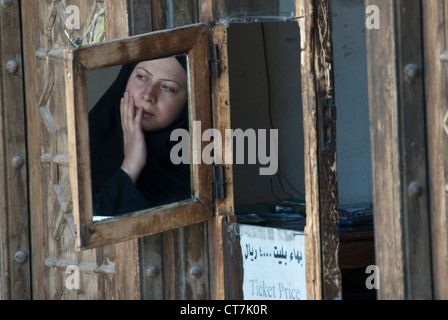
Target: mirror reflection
129	130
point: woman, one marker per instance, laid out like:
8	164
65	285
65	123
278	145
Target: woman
130	145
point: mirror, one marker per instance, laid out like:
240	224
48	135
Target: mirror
194	203
137	167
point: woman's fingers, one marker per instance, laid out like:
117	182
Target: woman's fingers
133	138
127	111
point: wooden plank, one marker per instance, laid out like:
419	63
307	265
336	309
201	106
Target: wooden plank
396	99
386	180
151	263
15	278
138	225
328	184
116	15
413	149
159	15
32	76
221	116
220	96
312	230
139	47
140	17
322	229
185	12
207	10
435	28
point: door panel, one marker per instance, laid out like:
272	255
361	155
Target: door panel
435	28
14	234
104	273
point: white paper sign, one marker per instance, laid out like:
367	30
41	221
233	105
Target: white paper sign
273	263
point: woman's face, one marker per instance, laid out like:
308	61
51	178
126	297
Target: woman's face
160	88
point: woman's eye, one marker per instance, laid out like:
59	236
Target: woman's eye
141	77
168	88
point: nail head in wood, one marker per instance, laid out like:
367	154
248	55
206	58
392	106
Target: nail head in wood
12	66
20	257
17	162
152	271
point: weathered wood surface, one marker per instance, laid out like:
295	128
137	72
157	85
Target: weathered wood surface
105	271
322	229
14	228
137	48
435	31
179	257
399	163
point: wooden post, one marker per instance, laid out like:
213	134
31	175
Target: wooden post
435	27
14	230
322	229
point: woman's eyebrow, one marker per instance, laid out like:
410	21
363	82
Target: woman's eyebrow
170	80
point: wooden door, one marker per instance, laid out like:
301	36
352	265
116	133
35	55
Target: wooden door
105	273
186	263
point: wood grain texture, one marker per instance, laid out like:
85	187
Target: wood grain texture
14	227
312	229
386	180
108	272
322	229
328	182
435	27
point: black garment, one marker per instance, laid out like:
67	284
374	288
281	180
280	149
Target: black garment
160	182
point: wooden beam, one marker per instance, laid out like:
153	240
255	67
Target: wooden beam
322	229
383	100
312	230
328	182
15	279
435	27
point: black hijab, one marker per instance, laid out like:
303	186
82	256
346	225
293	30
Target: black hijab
160	182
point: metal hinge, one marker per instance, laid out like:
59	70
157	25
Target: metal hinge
219	181
215	62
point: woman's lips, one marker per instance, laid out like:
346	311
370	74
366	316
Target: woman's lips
146	115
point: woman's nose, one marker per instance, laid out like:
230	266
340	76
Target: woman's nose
150	93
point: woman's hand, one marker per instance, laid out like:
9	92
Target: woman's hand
135	152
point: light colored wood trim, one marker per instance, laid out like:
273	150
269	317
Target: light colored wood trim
207	10
117	19
135	48
435	27
386	180
219	285
145	223
221	116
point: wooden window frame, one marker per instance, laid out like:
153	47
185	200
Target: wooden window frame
191	40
